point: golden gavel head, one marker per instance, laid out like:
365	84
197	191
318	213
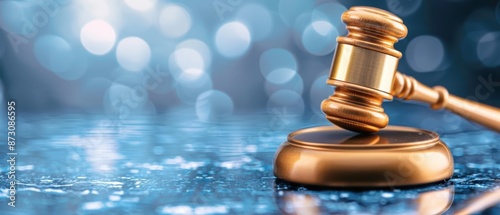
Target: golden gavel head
363	69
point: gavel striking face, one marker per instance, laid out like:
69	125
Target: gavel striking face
364	73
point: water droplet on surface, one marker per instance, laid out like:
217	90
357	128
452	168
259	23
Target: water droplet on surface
387	195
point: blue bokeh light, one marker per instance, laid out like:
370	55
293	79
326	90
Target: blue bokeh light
141	5
319	92
14	17
403	7
54	53
425	53
185	49
274	59
294	82
260	26
233	39
115	96
133	53
126	78
280	76
200	47
488	49
189	87
97	9
213	105
174	21
288	101
121	101
98	37
319	38
78	68
289	10
187	58
332	13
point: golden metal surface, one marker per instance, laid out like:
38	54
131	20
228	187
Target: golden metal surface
480	203
330	156
364	73
356	108
298	204
408	88
435	201
374	29
377	72
363	69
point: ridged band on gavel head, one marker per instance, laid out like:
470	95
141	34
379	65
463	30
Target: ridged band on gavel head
374	29
363	69
366	56
356	109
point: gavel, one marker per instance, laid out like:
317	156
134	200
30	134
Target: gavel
364	75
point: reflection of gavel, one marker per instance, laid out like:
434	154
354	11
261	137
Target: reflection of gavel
364	73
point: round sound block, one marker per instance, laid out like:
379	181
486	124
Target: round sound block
331	156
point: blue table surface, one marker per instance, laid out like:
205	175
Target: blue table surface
175	164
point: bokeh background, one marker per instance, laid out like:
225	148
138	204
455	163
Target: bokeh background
218	57
179	106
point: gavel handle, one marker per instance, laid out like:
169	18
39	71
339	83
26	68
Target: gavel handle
407	88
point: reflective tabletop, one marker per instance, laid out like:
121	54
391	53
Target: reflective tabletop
176	164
